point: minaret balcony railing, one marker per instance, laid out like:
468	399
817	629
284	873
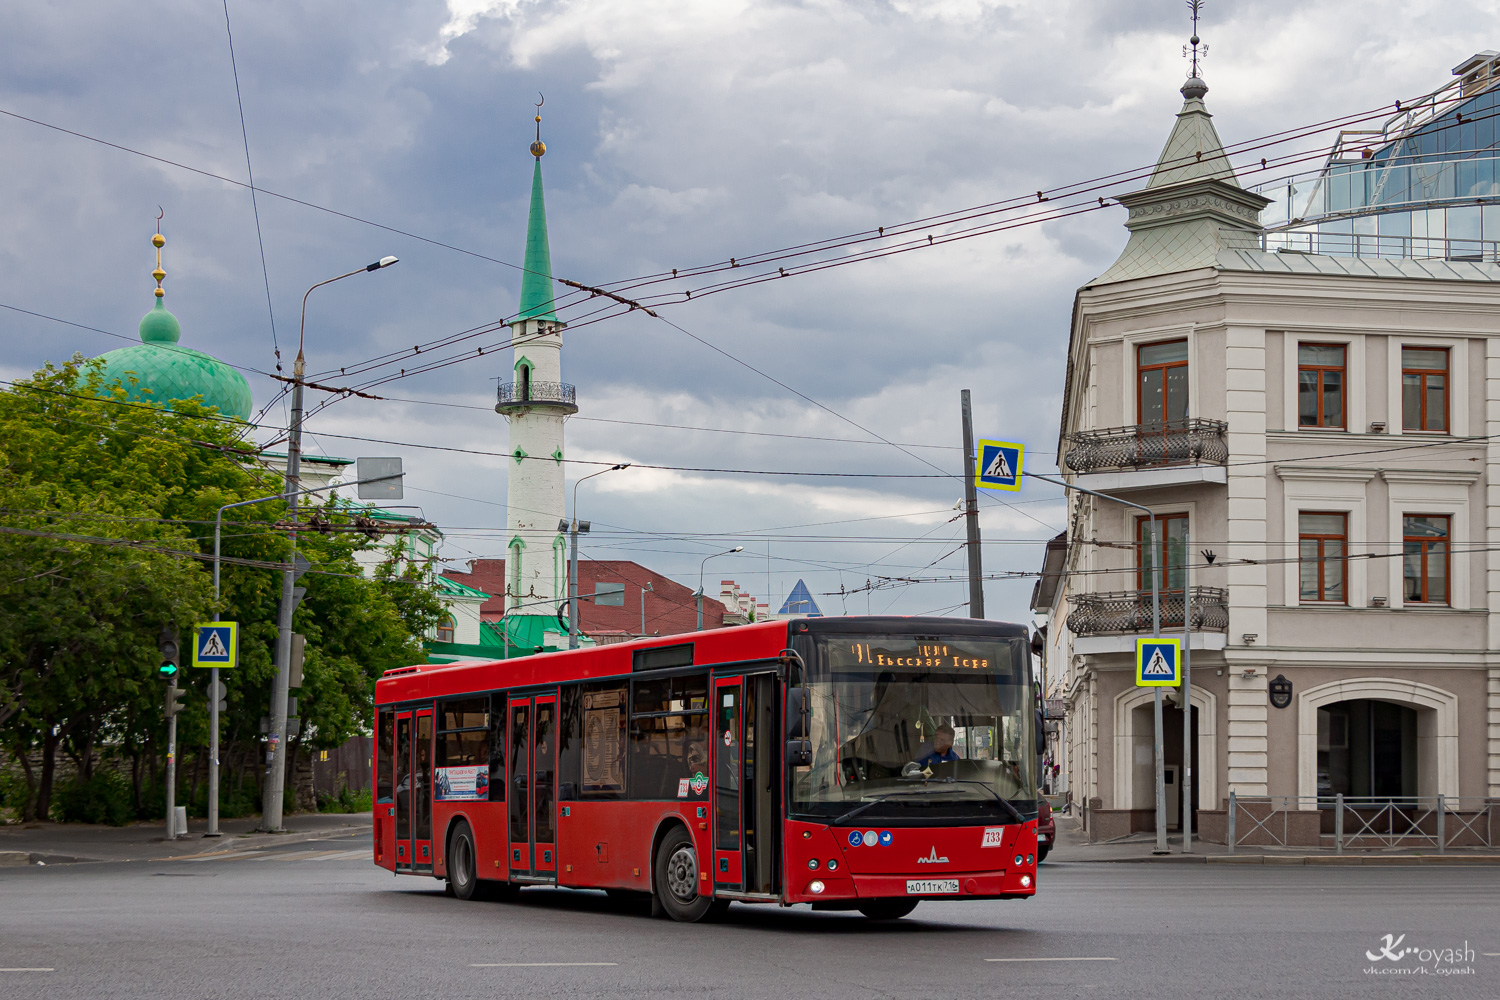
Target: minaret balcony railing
531	394
1193	441
1129	611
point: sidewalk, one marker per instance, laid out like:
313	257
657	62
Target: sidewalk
1074	846
64	843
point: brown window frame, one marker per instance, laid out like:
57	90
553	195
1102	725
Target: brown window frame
1423	373
1142	523
1322	560
1142	370
1343	371
1426	543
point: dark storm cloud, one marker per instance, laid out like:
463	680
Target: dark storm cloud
678	134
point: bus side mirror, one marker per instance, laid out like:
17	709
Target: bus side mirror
798	710
1041	734
799	753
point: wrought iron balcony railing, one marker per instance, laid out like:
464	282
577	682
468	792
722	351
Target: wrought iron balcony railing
519	395
1193	441
1129	611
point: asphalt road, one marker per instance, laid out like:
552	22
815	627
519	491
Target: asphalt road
318	920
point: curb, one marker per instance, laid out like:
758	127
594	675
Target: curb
244	841
1347	859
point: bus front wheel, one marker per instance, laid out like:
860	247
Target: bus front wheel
463	876
888	909
677	878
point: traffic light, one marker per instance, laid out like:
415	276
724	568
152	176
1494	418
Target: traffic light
174	700
167	643
216	695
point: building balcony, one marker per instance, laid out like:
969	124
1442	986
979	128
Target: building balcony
1144	456
1128	612
517	397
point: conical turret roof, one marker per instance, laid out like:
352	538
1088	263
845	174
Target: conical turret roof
1176	221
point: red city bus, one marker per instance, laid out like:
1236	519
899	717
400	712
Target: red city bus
850	763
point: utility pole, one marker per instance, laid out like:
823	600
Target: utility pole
971	516
275	785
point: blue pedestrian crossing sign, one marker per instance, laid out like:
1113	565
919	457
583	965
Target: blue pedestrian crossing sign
1158	662
998	465
216	644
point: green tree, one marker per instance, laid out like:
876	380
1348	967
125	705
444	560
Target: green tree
106	507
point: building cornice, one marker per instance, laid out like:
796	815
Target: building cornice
1303	472
1464	478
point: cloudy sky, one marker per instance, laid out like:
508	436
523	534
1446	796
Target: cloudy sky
679	134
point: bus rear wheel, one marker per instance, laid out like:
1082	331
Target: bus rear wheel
888	909
677	878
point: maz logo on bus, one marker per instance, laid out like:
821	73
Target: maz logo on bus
932	858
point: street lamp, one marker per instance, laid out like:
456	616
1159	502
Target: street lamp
573	528
701	567
275	761
643	607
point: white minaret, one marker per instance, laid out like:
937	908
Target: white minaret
536	401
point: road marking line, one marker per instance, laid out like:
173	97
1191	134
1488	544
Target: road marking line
1077	959
1490	954
28	970
533	965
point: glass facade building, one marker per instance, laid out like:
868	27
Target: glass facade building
1426	184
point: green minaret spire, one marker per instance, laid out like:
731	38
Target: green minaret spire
536	283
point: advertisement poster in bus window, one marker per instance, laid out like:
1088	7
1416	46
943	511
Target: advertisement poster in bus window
469	783
603	748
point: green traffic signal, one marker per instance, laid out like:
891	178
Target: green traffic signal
167	670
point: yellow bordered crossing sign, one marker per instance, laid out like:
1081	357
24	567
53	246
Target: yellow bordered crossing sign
216	644
1158	662
997	465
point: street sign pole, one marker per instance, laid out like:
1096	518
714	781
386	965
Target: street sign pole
1187	693
1161	781
1161	761
971	515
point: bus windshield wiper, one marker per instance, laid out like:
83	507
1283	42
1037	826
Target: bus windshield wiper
857	810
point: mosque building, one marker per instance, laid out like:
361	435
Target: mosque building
159	370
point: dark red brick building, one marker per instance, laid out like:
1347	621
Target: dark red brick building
612	594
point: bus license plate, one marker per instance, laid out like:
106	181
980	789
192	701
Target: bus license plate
931	886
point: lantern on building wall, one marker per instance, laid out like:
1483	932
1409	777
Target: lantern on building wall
1281	691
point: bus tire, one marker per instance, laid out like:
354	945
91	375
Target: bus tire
463	871
887	909
677	877
1042	852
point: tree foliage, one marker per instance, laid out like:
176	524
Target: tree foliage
106	507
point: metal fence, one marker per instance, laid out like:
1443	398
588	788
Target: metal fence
1127	611
1190	441
1360	823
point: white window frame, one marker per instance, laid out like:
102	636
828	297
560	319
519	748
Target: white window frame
1335	491
1355	371
1431	493
1458	383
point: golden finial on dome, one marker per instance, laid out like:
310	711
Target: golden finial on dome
539	148
159	241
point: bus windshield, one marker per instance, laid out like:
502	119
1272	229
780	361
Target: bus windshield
918	730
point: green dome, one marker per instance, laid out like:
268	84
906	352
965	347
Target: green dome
164	371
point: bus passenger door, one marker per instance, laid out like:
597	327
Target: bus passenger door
401	761
413	767
532	798
728	780
421	781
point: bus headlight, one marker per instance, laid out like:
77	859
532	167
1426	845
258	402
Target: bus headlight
833	864
812	863
1019	861
1025	881
815	887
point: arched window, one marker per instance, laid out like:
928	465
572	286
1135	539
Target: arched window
523	382
446	629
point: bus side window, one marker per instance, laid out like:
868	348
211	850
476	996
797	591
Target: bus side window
385	740
569	743
497	747
603	744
